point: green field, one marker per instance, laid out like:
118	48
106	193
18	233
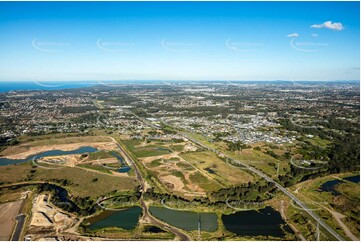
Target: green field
347	203
80	182
151	149
102	154
204	182
249	156
95	167
223	172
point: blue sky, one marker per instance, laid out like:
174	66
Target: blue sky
179	41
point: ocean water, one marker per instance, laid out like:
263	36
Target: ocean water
6	86
26	86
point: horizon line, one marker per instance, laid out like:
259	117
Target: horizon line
159	80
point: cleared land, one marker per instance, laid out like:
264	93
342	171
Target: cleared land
216	168
8	212
28	149
163	160
46	215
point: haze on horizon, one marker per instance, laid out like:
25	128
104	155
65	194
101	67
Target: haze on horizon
55	41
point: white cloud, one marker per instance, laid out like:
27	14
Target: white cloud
293	35
314	35
328	25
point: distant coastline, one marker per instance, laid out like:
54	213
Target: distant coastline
33	86
7	86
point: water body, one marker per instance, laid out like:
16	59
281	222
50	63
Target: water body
81	150
153	229
125	219
354	179
210	170
40	85
330	186
121	160
124	169
264	222
7	86
186	220
60	197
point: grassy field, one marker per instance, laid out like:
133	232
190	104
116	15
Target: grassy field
149	149
217	168
185	166
177	147
347	203
317	141
60	139
102	154
95	167
203	181
256	158
260	160
82	182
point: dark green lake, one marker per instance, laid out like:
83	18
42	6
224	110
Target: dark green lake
81	150
186	220
264	222
354	179
125	219
330	186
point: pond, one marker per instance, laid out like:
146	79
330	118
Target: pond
264	222
153	229
81	150
330	186
210	170
121	160
354	179
125	219
185	219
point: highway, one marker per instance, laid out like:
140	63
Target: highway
279	186
317	218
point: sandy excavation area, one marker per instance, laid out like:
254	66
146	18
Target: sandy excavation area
171	181
8	212
46	215
28	150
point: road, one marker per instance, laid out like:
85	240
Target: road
279	186
264	176
153	220
146	214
